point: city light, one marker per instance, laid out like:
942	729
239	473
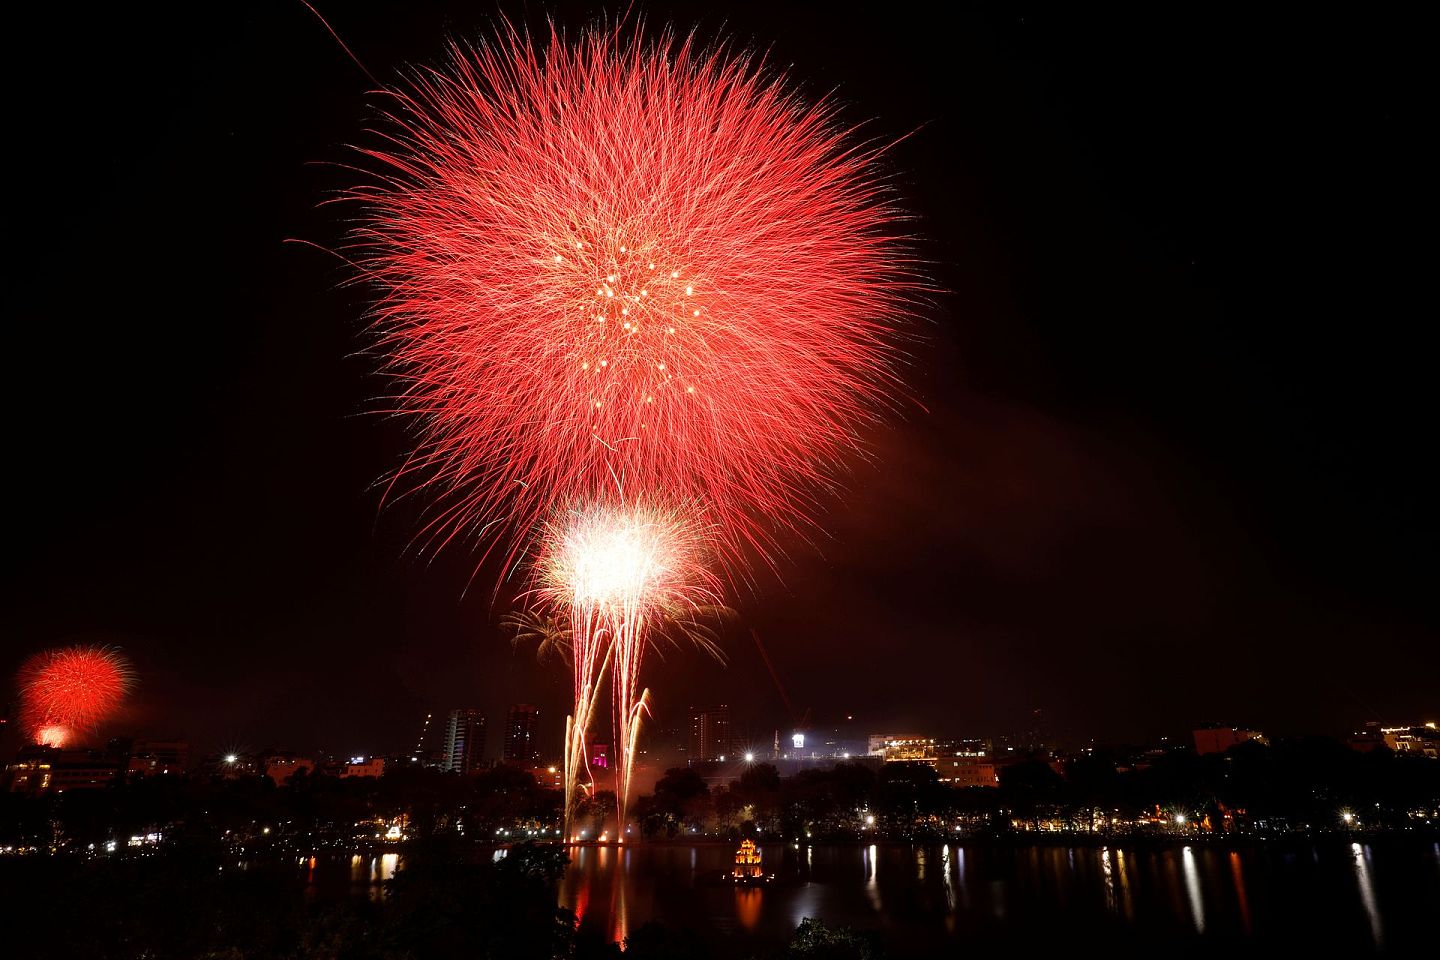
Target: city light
1348	817
798	741
749	757
231	758
1180	818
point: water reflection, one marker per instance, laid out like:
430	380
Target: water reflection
1127	906
960	872
748	903
949	883
1361	857
620	911
1238	875
872	883
1108	872
944	895
1192	890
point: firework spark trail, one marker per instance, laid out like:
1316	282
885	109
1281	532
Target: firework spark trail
617	568
626	258
70	690
591	653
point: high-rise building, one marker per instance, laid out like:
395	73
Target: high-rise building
522	745
710	733
464	741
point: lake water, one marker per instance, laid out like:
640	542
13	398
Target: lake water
1340	898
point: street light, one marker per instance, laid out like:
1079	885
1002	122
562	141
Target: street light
749	757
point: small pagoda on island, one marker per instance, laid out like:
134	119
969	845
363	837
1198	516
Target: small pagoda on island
748	868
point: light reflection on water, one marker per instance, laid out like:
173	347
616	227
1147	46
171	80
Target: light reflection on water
1109	872
1237	874
1192	890
748	901
1361	857
1126	905
931	898
872	884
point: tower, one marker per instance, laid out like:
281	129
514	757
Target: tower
521	743
464	741
710	733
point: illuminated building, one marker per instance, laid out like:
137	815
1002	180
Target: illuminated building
883	744
149	758
969	771
85	770
894	748
958	762
281	767
600	755
32	770
1423	740
710	733
464	742
548	775
747	862
361	767
1213	738
521	742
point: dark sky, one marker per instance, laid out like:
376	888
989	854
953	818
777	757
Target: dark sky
1173	462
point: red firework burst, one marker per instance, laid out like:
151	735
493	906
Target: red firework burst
615	260
70	689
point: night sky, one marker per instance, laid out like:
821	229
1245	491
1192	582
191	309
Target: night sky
1168	459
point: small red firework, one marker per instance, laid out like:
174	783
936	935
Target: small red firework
69	690
621	260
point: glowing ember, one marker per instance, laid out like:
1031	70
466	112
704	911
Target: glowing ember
52	736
